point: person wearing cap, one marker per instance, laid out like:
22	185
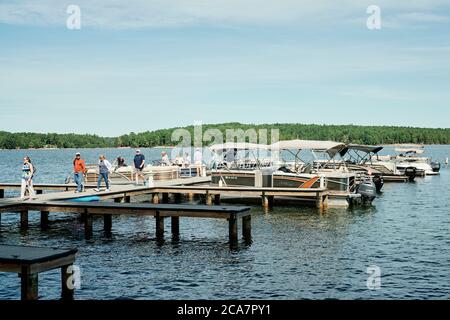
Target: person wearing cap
139	163
79	169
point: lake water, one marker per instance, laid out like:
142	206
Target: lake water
297	253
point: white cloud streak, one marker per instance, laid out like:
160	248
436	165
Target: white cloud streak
115	14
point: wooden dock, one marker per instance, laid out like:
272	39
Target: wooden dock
159	208
188	186
28	262
159	211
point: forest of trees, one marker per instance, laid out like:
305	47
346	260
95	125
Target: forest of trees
342	133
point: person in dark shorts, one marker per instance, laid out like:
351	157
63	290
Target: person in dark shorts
139	163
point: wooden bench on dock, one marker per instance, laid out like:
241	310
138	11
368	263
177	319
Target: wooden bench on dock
28	262
159	211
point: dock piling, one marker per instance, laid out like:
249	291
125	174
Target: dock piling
28	284
107	220
155	198
24	219
217	199
44	219
67	289
247	227
88	225
208	199
175	226
159	226
233	229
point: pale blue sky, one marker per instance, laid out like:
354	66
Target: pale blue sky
143	65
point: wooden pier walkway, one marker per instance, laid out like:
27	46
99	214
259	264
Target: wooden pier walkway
28	262
159	208
159	211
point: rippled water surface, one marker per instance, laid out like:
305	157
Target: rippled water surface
296	253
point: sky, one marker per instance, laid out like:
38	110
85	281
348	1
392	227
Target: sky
144	65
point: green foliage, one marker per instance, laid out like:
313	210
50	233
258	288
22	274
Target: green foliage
342	133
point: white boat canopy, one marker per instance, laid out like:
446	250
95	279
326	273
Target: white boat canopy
238	146
410	150
330	147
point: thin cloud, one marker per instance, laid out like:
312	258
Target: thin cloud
114	14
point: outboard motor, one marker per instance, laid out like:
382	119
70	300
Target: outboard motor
379	182
411	173
367	190
436	166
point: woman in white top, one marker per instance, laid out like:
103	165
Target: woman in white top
27	179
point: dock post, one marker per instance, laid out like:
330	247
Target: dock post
175	226
265	201
44	219
88	225
159	226
24	219
319	200
208	199
217	199
165	197
325	200
247	228
67	289
107	222
190	197
2	193
233	229
28	284
271	200
155	198
177	197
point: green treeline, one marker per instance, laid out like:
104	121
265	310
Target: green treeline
343	133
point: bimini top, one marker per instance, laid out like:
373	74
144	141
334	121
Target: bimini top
238	146
410	150
364	148
330	147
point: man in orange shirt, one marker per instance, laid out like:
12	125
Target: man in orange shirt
79	169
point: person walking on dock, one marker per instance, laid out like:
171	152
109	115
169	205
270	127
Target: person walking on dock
104	166
27	179
139	163
79	169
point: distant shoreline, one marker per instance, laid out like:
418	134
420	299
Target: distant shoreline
171	147
367	135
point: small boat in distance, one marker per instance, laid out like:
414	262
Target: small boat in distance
408	162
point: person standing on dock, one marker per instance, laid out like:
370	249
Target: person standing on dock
139	163
79	169
27	179
104	166
198	161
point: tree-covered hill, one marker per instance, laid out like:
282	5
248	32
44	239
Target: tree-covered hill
342	133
